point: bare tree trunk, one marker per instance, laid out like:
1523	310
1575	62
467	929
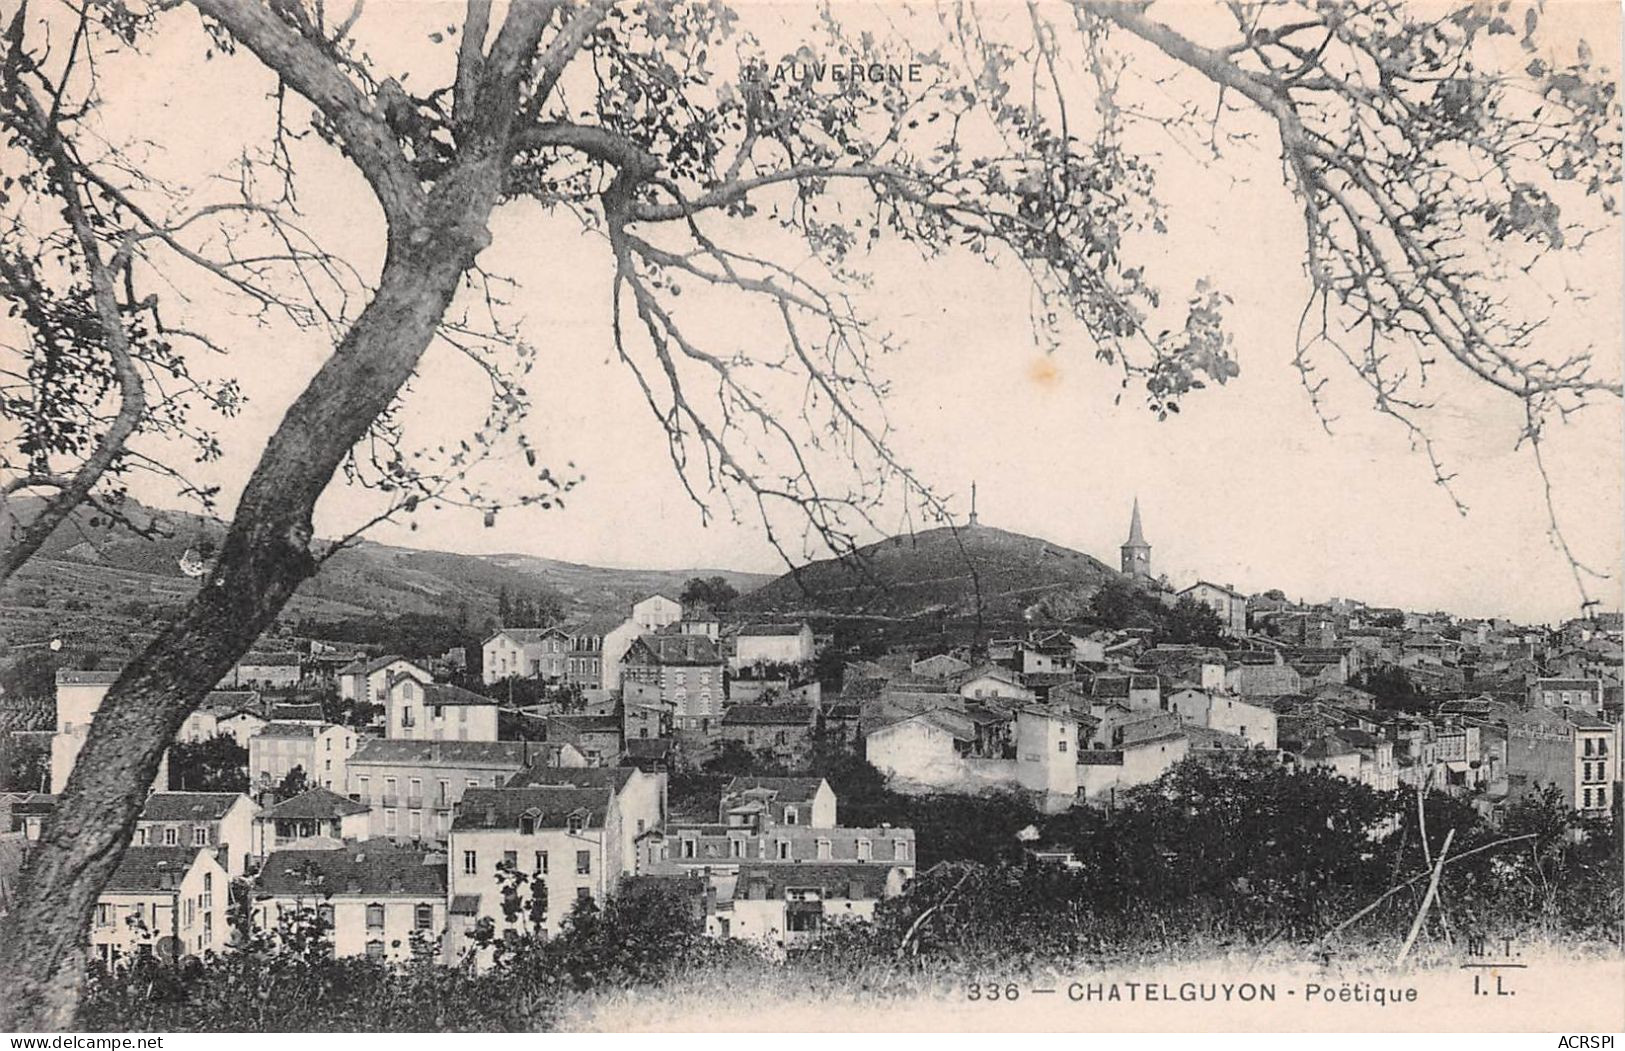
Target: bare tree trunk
265	558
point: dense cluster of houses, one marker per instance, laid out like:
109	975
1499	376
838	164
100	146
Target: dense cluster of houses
400	834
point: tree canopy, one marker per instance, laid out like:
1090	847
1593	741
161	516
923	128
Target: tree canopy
1445	158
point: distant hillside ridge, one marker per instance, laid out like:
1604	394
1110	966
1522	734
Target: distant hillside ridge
943	570
96	581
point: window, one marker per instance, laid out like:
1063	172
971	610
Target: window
899	850
863	850
823	849
471	783
575	824
510	858
462	715
389	789
364	789
445	792
424	919
140	837
324	913
583	893
471	863
1060	746
1587	799
583	862
389	822
541	863
172	837
200	837
416	819
690	848
791	815
375	950
736	848
375	916
439	712
208	890
104	915
784	850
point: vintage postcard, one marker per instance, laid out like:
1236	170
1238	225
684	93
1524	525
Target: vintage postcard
816	515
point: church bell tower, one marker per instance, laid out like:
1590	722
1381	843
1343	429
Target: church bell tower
1136	552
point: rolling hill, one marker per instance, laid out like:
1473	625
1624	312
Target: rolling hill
941	570
95	584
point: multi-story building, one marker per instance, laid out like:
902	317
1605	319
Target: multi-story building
411	787
322	752
769	802
784	731
1566	693
314	815
221	821
526	653
640	796
791	906
686	672
237	713
1570	748
1228	604
434	711
79	695
375	899
1253	722
168	901
568	839
366	681
716	851
270	670
758	644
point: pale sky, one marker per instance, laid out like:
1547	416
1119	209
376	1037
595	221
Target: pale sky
1244	487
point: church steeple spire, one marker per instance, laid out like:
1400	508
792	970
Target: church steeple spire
1136	552
973	503
1135	536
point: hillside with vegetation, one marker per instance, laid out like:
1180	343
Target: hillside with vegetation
99	585
959	571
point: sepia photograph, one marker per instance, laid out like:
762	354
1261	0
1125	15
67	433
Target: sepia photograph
807	516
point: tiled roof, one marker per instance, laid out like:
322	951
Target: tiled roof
502	808
313	804
648	747
844	880
526	636
372	868
296	711
768	715
188	806
269	660
149	868
445	753
767	630
784	789
585	724
614	777
230	702
75	677
287	730
444	693
367	667
676	649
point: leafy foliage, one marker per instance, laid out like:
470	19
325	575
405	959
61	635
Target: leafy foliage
218	764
